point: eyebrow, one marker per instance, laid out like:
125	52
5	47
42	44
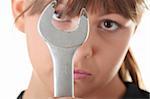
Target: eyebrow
38	6
112	16
103	13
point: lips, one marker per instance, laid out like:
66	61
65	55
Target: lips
80	74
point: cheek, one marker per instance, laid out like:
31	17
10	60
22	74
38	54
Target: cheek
38	50
110	55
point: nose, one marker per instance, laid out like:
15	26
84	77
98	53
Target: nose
84	52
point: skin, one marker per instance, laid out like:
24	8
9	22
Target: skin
101	55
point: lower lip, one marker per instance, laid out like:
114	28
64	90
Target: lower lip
78	76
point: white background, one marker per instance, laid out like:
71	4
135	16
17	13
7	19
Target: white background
15	67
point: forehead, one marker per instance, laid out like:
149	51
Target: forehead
126	8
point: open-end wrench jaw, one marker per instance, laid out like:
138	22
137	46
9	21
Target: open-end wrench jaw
61	38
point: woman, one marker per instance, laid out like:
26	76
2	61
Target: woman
105	55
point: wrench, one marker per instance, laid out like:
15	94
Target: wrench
62	46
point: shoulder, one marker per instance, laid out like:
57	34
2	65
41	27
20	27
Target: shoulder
133	92
20	95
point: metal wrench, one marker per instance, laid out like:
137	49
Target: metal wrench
62	46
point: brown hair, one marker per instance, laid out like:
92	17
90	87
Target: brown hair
130	9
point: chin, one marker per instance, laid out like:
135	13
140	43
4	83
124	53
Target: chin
81	92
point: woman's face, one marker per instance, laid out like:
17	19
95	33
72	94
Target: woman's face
101	55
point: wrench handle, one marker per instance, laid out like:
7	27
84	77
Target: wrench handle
63	71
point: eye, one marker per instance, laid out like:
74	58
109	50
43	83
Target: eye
57	17
108	25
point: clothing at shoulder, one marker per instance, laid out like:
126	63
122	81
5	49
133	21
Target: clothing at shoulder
21	95
133	92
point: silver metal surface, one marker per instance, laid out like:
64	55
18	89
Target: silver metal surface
62	46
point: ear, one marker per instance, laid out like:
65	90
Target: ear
17	9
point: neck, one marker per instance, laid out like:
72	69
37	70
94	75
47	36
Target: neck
37	89
115	89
